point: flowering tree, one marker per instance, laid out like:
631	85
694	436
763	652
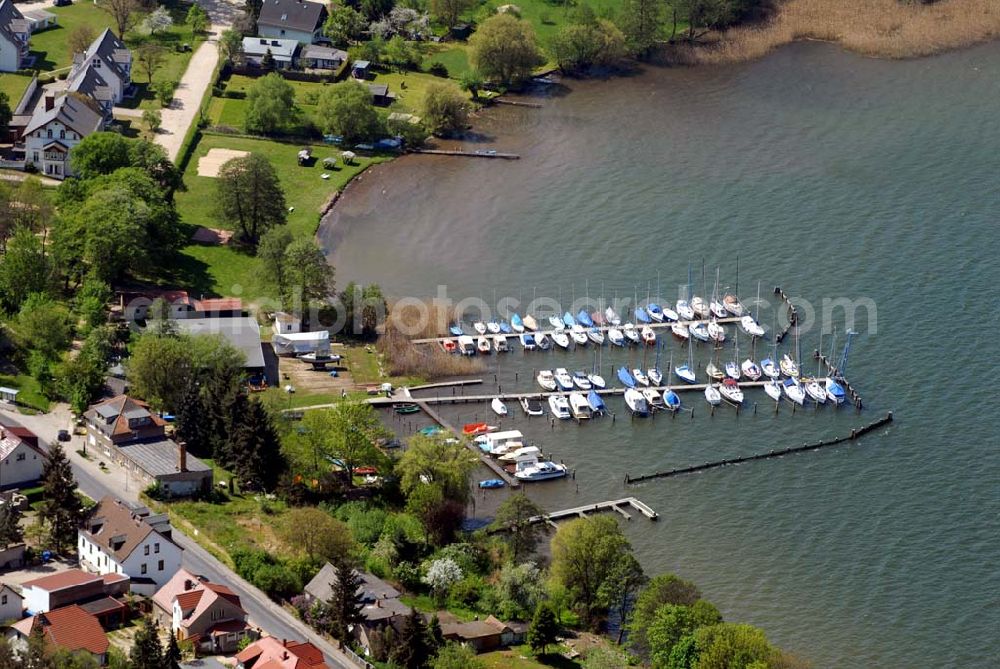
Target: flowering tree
441	575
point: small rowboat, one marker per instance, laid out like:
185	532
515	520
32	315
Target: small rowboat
406	408
472	429
492	483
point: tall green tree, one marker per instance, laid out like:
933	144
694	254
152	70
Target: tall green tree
347	433
254	450
662	589
191	423
446	110
99	153
346	109
344	25
504	49
449	11
43	325
584	553
673	622
411	650
444	465
147	652
514	516
345	604
271	252
250	196
61	507
641	21
5	113
544	628
172	653
582	45
270	105
24	269
10	525
733	646
620	587
307	274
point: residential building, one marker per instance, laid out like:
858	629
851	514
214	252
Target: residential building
285	323
134	306
15	30
482	635
21	459
299	20
207	614
125	430
242	332
113	61
317	57
56	126
11	604
282	51
272	653
86	80
122	539
70	628
39	19
372	588
99	595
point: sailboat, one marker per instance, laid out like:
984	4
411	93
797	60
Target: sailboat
555	322
636	402
788	366
834	391
654	398
773	389
648	335
530	323
751	327
816	391
543	342
626	378
669	315
598	318
730	301
647	315
750	369
616	337
654	373
716	332
456	330
612	316
584	319
479	327
794	391
631	333
731	391
684	309
732	366
596	403
568	320
493	327
712	395
499	408
596	381
640	377
680	331
699	331
516	323
671	400
716	306
505	327
595	335
686	372
698	304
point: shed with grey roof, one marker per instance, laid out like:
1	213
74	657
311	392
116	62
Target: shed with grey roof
242	332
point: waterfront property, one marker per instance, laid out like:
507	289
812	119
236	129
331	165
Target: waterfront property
121	539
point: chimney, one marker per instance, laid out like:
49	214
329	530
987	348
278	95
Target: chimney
284	655
50	102
182	458
187	584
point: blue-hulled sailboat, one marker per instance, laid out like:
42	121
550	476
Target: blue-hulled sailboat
626	377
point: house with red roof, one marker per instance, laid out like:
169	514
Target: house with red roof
273	653
208	614
21	459
70	628
100	595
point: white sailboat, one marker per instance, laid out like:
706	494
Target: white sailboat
680	331
816	391
530	323
636	403
750	369
773	389
686	372
595	335
612	317
640	377
716	306
631	333
648	336
479	327
500	343
712	395
499	408
654	398
616	337
751	327
731	391
556	322
716	332
560	338
794	391
699	331
578	334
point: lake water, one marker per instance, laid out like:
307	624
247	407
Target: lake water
830	175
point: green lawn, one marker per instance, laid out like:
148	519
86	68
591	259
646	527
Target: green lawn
31	393
14	86
52	50
454	56
217	270
521	657
548	18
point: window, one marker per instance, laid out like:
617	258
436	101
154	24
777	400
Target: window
142	569
49	133
146	549
156	547
62	134
3	600
21	457
159	566
34	156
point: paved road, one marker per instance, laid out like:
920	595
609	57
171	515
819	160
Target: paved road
94	483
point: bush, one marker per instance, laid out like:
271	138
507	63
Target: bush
276	577
408	575
467	592
438	70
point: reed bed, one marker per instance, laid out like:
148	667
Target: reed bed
877	28
403	358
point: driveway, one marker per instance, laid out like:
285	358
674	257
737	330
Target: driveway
94	483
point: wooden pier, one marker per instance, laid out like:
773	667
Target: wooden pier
446	384
856	433
469	154
611	505
493	465
516	103
793	315
835	373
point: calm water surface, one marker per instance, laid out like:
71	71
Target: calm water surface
830	175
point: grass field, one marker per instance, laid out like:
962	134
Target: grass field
14	86
521	657
220	270
31	393
454	56
548	18
52	51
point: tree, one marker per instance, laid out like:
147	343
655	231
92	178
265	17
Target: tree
457	656
519	589
319	535
270	104
192	420
344	24
472	81
99	153
673	622
641	23
620	587
346	109
5	113
230	45
146	653
271	252
153	120
584	551
514	515
435	635
158	20
411	651
152	159
10	525
307	274
43	325
345	604
61	507
124	13
661	590
25	270
80	37
197	18
150	58
445	109
26	205
346	433
733	646
441	575
431	461
399	53
504	49
172	653
254	450
544	628
580	46
249	195
91	302
165	91
448	11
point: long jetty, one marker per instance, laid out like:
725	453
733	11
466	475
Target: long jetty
610	505
856	433
469	154
793	314
490	463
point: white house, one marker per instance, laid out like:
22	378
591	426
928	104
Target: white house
121	539
58	125
21	460
255	50
112	60
15	30
298	20
11	604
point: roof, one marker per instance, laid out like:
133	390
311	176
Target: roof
112	417
159	457
10	440
86	80
119	528
73	112
474	629
12	21
5	587
318	52
103	605
62	580
219	304
272	653
112	51
292	14
361	65
371	589
241	331
384	609
195	595
378	90
279	48
69	627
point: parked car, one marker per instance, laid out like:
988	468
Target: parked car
63	435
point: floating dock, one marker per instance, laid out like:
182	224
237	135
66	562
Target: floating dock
583	511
